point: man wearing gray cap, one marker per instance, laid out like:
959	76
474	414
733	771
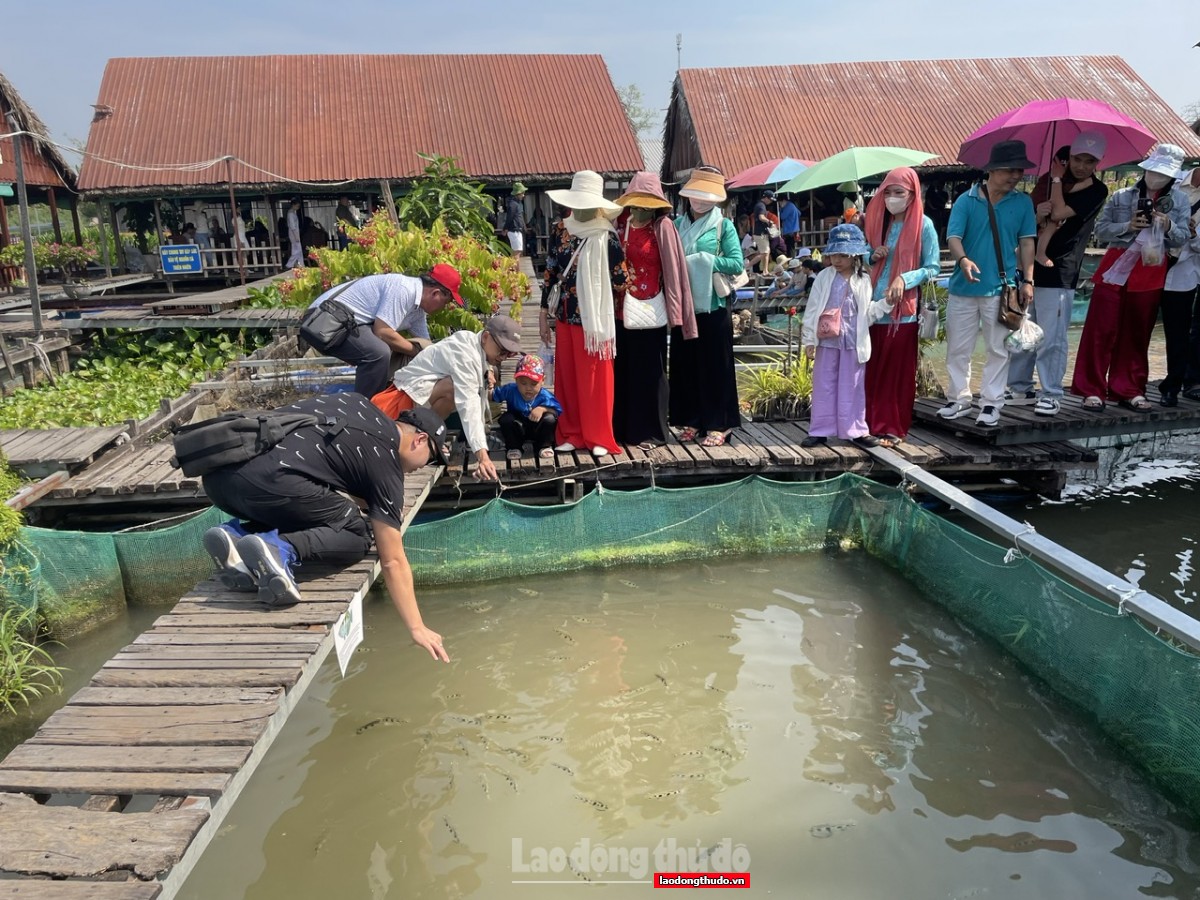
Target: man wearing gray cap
454	374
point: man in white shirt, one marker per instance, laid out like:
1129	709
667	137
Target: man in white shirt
454	374
389	304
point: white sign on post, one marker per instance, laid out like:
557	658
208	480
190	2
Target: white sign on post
348	633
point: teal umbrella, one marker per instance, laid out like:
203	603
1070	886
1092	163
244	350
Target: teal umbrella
853	164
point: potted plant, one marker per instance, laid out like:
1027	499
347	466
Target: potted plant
782	389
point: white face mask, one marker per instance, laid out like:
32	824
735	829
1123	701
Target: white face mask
896	205
1155	181
700	207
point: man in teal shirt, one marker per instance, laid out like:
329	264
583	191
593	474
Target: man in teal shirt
974	301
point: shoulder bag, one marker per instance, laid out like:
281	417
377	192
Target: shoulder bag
326	326
1012	312
554	298
724	285
639	314
928	315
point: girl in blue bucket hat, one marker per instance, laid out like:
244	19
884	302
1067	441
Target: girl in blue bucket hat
836	337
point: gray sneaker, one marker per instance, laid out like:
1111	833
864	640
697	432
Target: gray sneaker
989	417
1047	406
232	571
271	565
955	409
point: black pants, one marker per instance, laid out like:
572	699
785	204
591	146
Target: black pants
320	523
640	385
517	429
703	384
1181	327
371	358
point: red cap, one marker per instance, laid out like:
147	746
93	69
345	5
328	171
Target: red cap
448	277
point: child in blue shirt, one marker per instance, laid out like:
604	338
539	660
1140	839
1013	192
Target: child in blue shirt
532	410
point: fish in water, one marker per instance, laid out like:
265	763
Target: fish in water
721	750
453	831
563	768
483	783
529	592
575	869
365	649
512	784
464	720
564	635
719	606
760	571
550	738
662	678
662	795
596	804
386	720
686	753
649	736
629	584
680	645
824	831
587	665
498	717
582	620
689	776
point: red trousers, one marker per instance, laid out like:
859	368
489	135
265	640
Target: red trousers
892	378
1112	361
583	385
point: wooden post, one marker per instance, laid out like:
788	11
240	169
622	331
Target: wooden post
273	225
241	257
75	221
104	257
158	229
5	237
116	230
385	188
35	301
53	201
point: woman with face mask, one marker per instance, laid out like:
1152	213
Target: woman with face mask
1113	363
704	401
905	256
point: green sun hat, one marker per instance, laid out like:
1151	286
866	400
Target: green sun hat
519	188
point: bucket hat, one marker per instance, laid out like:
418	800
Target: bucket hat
518	188
849	187
429	423
645	191
449	278
532	367
505	331
586	192
1008	155
847	239
1165	159
705	185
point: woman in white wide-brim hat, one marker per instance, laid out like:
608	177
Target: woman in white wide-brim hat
587	267
704	401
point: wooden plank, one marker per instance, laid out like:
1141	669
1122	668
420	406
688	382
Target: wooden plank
282	652
64	842
178	784
318	611
116	758
98	696
279	636
261	677
247	661
30	889
138	726
774	448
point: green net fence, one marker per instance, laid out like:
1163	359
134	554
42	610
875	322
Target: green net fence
1139	687
76	579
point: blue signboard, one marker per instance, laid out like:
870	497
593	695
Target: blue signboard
181	259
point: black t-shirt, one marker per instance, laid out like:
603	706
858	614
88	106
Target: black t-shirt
1069	242
760	227
361	459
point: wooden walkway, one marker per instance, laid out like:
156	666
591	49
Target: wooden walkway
1020	425
39	451
122	789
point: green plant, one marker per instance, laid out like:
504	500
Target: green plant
27	671
781	388
10	519
443	193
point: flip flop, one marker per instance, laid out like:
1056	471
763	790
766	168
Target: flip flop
1093	403
513	455
1137	404
546	453
687	434
715	439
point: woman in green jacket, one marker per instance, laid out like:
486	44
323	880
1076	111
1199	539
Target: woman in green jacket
704	400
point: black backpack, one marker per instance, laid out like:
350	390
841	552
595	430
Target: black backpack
235	437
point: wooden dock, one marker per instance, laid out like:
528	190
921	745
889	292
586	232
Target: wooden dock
120	791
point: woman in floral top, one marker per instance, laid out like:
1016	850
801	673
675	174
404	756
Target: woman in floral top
657	296
589	269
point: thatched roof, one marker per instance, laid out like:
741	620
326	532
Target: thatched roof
44	165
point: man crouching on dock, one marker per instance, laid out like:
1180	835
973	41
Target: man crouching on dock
288	499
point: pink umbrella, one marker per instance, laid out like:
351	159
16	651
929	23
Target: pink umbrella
1046	125
773	171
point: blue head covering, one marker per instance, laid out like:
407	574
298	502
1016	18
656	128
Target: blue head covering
846	239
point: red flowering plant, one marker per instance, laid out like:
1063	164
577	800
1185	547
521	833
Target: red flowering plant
381	246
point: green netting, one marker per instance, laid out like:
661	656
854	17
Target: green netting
165	563
1140	688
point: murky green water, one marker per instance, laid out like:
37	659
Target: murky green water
811	717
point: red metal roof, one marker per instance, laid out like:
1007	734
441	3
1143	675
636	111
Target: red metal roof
354	117
743	116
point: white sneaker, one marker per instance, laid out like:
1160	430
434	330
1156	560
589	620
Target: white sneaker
989	418
565	447
1047	406
599	451
1020	398
955	409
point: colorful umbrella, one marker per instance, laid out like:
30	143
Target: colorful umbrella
853	164
772	171
1045	125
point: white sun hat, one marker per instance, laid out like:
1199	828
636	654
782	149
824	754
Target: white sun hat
1165	159
586	192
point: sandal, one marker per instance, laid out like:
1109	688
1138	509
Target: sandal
546	453
1137	404
513	455
715	439
889	441
1093	403
647	446
687	434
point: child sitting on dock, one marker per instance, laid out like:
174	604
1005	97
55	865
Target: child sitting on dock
836	335
532	410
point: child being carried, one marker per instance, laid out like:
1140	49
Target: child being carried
533	411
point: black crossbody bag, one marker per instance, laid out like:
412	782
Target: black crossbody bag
326	326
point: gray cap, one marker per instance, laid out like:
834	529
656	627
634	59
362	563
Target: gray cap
506	332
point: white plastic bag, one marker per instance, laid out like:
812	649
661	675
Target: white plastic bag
1028	336
1152	249
546	352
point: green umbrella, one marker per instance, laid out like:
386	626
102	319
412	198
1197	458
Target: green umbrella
853	164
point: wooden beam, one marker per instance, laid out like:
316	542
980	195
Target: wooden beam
54	213
5	237
75	222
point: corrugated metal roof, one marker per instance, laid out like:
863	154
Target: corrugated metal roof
44	166
355	117
743	116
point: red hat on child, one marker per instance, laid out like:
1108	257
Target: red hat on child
531	367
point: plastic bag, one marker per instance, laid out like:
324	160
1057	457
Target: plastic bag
1152	249
1027	336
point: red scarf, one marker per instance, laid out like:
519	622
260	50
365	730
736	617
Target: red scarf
906	256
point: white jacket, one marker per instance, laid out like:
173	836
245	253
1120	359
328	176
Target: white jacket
869	311
460	358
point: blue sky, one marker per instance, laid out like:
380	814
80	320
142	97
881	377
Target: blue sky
55	54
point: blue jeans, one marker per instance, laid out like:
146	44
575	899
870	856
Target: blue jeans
1052	311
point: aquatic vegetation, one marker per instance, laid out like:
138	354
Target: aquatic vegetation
27	671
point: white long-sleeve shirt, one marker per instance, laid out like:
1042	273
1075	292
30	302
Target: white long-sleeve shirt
460	358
